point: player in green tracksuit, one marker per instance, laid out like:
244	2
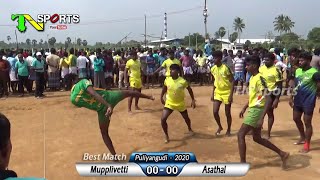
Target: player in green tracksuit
83	94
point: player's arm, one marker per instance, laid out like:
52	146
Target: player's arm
279	80
162	66
292	85
245	107
164	91
268	104
316	78
231	80
193	103
213	88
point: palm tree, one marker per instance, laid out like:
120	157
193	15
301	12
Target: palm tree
283	23
221	32
84	43
52	41
79	41
233	37
238	26
28	41
34	42
41	42
68	40
8	38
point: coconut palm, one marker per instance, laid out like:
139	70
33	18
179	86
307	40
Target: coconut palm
221	32
283	23
34	42
238	26
28	41
233	37
84	43
52	41
9	38
79	42
68	40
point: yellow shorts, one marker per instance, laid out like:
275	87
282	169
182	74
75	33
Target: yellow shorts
134	83
180	108
222	98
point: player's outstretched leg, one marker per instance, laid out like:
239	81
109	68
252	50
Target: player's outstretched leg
165	114
242	141
309	130
216	107
270	121
297	119
135	94
104	129
264	142
229	118
187	120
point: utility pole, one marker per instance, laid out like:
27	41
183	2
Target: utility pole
145	31
16	39
205	14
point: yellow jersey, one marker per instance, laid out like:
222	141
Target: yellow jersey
257	84
272	75
222	79
175	93
167	63
134	69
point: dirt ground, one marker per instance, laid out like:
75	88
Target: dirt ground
70	132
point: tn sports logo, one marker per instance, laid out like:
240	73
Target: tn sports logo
42	19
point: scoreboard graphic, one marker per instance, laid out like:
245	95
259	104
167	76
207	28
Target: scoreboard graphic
162	164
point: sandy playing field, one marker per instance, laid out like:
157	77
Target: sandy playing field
70	132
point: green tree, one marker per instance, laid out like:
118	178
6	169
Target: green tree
9	39
248	43
41	42
221	32
28	41
79	42
34	42
52	41
233	37
283	23
84	43
195	38
314	35
238	26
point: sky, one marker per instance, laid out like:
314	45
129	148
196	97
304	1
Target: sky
258	16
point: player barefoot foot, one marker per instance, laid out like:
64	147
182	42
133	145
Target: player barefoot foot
301	141
190	132
219	131
137	108
284	158
166	140
228	133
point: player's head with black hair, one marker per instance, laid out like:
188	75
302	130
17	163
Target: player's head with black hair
175	71
217	57
252	64
269	59
171	54
305	59
5	142
277	51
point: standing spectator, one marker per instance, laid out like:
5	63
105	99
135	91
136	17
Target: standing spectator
151	64
122	66
22	73
108	68
238	63
72	62
82	66
32	73
99	80
13	78
38	66
92	57
64	67
4	77
187	62
53	61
